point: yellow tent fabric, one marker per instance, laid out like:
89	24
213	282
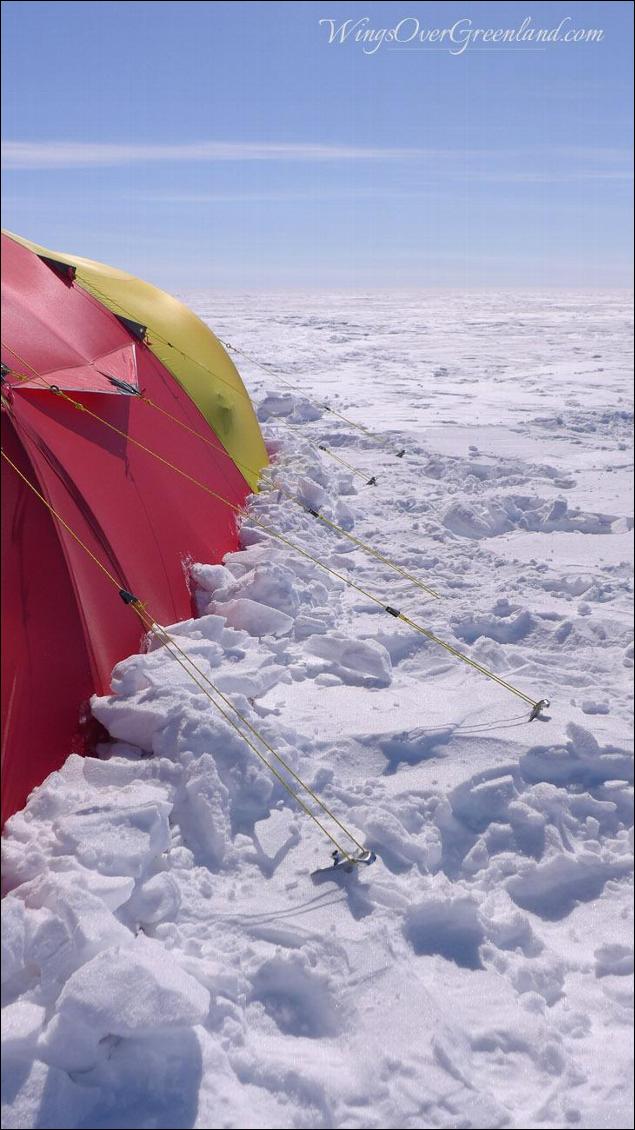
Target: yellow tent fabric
187	347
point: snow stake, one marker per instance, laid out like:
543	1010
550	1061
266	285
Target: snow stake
348	862
538	707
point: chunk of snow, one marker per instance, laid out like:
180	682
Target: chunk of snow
364	657
255	618
117	841
135	991
13	938
22	1022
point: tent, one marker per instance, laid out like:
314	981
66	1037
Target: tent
101	337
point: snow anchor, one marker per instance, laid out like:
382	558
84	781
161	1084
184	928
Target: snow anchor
363	857
538	707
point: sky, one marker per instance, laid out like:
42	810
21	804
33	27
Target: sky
233	145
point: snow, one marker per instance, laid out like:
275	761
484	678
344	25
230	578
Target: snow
176	950
133	989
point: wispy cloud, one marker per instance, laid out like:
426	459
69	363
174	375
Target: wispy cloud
317	196
78	154
530	176
550	164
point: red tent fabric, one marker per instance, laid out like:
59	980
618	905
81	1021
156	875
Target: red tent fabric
64	625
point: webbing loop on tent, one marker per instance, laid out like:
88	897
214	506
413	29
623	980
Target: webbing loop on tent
128	597
273	532
203	682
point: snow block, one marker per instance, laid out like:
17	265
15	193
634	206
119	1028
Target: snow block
133	991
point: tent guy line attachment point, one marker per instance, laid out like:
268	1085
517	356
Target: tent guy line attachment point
538	707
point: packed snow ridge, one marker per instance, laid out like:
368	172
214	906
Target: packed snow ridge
176	951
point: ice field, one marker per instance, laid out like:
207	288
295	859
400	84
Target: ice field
176	952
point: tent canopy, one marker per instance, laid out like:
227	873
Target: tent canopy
64	626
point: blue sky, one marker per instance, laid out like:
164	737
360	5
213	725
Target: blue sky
230	145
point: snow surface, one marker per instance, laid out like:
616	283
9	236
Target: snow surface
169	960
